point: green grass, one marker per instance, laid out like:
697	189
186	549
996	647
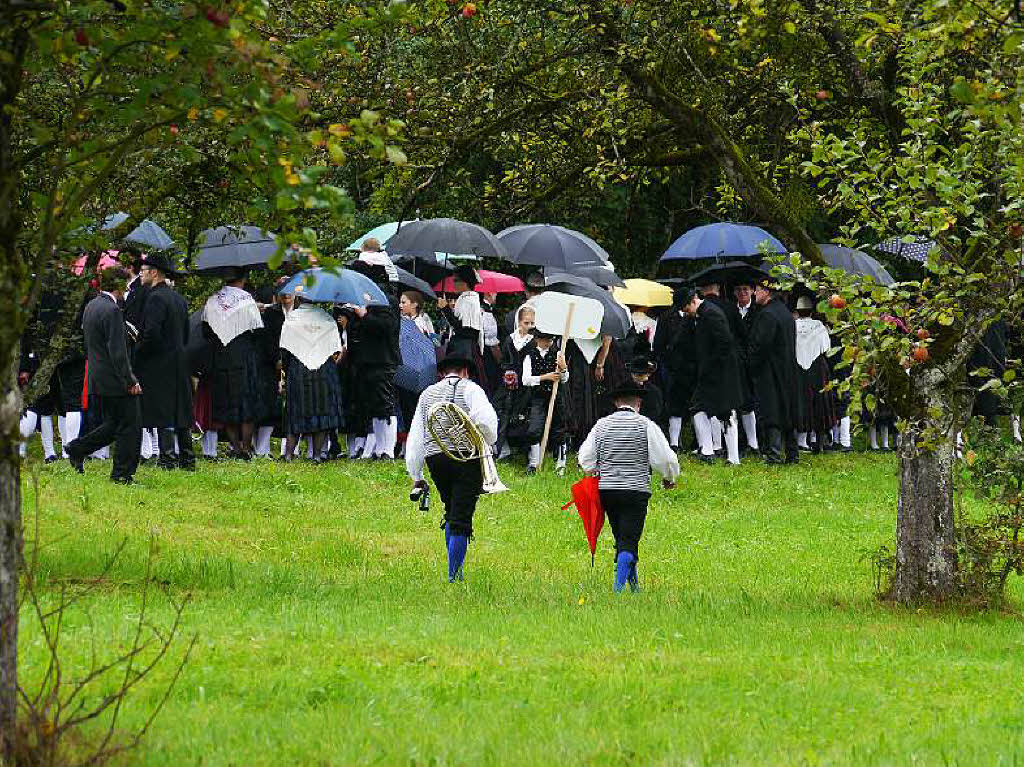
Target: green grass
327	637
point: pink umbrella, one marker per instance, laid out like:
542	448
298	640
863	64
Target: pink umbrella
106	261
490	282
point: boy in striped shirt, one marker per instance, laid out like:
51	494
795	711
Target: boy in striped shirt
622	449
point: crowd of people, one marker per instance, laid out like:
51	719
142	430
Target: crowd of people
727	370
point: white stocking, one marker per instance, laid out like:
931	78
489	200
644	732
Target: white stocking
873	437
26	426
62	429
1015	423
46	435
750	429
732	439
368	448
102	454
385	432
675	428
146	445
355	444
716	433
801	439
262	446
72	425
210	444
534	459
844	431
884	434
702	427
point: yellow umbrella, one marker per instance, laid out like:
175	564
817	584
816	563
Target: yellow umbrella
643	293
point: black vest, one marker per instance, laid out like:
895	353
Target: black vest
539	365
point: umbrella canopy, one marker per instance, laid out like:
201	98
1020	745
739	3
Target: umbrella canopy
425	267
412	282
730	273
551	246
616	322
585	280
855	262
490	282
148	234
639	292
445	235
381	234
726	240
916	250
599	275
587	500
341	287
419	359
235	246
107	260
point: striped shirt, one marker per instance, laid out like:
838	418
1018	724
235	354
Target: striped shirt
623	448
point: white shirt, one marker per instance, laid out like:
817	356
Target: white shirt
660	455
529	379
480	412
424	323
744	309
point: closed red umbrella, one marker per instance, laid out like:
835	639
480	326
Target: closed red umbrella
490	282
587	500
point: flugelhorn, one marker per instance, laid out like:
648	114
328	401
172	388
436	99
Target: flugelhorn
460	439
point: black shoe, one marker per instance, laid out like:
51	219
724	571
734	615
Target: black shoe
77	463
187	465
792	460
167	465
124	480
531	470
843	449
708	459
51	459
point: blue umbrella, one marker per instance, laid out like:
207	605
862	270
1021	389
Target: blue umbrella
343	286
419	359
148	234
722	241
855	262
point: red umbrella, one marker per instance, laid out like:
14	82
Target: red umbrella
490	282
107	260
588	503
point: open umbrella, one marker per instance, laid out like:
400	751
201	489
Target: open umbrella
587	500
551	246
107	260
412	282
616	322
343	286
445	235
915	250
425	267
639	292
381	234
490	282
855	262
730	273
610	279
726	240
147	234
419	359
235	246
599	275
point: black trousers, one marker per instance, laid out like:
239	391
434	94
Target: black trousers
185	457
120	426
459	484
626	511
781	445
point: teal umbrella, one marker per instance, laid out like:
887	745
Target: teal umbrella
381	233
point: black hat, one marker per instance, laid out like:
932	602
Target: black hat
541	334
535	281
627	390
684	295
162	262
641	365
453	362
468	275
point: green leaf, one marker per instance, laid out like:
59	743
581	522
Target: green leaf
396	155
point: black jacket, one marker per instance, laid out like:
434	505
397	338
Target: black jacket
161	362
772	365
378	334
106	345
719	390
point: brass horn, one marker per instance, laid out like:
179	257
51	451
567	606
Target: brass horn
460	440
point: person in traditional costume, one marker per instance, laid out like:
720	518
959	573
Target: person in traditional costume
38	413
459	483
746	308
274	316
643	323
492	343
641	371
411	305
534	285
543	364
623	449
512	399
310	346
161	365
817	411
773	371
465	318
718	392
674	349
240	391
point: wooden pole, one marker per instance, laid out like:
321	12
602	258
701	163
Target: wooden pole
554	388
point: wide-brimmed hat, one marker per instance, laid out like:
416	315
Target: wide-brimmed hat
162	262
453	361
641	366
627	390
684	295
805	302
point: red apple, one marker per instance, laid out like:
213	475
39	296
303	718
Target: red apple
218	17
469	10
821	95
837	301
81	37
921	353
923	334
1016	230
173	130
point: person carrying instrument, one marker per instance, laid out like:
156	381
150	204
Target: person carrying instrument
622	449
459	483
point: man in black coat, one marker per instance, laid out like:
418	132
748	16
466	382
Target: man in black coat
161	364
773	372
674	350
112	380
718	393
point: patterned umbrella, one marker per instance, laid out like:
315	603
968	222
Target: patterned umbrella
419	360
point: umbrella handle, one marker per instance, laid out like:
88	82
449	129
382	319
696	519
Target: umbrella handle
554	389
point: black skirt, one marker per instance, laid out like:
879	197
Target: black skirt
313	398
378	395
818	408
240	389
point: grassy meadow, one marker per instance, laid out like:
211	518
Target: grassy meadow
326	635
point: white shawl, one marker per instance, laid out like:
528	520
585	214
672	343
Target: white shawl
470	313
812	341
230	312
311	334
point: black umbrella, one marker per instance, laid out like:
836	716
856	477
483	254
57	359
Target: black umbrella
235	246
855	262
730	273
616	322
425	267
551	246
445	235
412	282
599	275
148	234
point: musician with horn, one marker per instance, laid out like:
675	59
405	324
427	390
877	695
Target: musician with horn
452	432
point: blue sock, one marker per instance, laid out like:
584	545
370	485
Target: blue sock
633	578
457	546
623	564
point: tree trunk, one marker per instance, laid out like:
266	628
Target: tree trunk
10	552
926	561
